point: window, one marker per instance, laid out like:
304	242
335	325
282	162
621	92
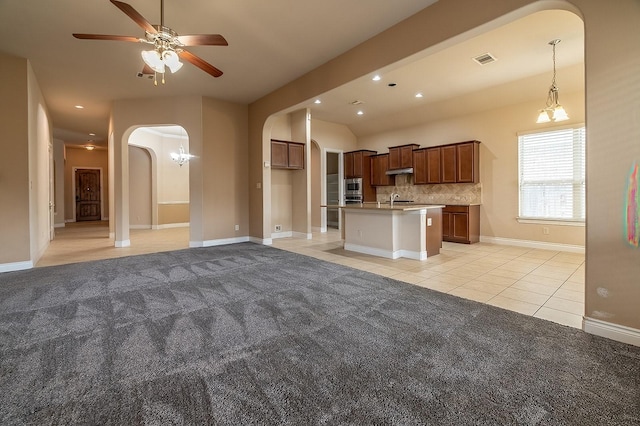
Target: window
551	168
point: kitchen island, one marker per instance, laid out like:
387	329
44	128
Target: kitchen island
409	230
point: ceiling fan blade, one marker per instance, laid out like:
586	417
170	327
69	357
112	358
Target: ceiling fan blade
203	40
200	63
106	37
133	14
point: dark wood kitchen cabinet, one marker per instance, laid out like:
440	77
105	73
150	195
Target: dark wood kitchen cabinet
357	164
379	167
287	155
460	162
401	157
461	224
426	166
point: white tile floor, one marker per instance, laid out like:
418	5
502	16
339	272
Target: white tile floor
544	284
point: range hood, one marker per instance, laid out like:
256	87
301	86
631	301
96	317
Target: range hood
405	171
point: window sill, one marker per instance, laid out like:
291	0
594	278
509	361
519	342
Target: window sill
558	222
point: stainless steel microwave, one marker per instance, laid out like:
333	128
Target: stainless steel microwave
353	186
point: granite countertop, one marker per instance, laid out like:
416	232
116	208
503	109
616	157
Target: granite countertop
396	206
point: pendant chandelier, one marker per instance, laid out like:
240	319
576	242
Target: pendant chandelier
553	111
181	156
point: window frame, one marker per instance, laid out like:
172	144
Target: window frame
573	221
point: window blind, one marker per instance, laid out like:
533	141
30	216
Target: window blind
551	169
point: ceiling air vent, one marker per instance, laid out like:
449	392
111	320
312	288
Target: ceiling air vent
356	102
485	58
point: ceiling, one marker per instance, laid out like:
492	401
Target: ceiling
270	44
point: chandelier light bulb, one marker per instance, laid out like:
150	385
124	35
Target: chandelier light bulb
543	117
153	59
171	60
559	114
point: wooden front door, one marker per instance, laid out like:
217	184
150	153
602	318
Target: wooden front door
87	195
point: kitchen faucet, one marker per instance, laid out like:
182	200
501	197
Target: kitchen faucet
392	197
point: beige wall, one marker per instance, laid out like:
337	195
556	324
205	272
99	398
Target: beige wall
613	145
80	158
497	129
26	174
218	186
612	116
332	136
14	170
40	169
225	176
140	191
176	214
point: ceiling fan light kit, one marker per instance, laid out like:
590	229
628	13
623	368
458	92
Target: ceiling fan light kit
168	45
553	110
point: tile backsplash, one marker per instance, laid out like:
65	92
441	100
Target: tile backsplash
442	193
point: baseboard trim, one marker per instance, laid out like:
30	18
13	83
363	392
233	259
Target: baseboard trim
285	234
220	242
123	243
16	266
139	226
173	225
263	241
542	245
611	331
59	225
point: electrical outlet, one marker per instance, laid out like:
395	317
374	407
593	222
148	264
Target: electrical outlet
278	228
237	227
545	230
429	221
360	233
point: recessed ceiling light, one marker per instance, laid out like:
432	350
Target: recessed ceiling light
376	78
360	113
418	95
92	134
317	101
79	106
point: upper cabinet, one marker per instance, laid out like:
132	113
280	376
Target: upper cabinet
448	164
287	155
426	166
401	157
460	163
357	163
455	163
468	162
379	167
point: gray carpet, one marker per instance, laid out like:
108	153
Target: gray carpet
249	334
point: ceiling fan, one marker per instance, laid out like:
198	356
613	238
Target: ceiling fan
168	45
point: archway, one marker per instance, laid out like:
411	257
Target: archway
158	184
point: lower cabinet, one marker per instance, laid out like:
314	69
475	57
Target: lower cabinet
461	224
